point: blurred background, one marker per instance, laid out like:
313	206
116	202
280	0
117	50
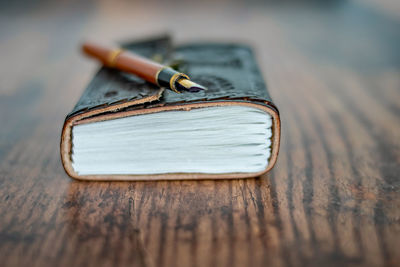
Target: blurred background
361	35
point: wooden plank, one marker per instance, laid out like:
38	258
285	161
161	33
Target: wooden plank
332	199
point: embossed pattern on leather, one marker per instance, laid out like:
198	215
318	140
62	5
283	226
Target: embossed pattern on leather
111	86
229	71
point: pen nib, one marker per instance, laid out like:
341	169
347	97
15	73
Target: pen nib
190	86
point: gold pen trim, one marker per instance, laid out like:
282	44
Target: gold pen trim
112	57
174	79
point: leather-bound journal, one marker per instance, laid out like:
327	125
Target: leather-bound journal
124	128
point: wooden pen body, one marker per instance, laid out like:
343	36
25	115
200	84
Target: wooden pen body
124	60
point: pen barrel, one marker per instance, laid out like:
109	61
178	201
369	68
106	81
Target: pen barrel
125	61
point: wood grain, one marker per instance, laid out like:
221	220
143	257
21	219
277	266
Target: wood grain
332	199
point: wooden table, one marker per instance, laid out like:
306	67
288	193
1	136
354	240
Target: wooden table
331	200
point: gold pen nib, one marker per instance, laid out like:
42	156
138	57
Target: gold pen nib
190	86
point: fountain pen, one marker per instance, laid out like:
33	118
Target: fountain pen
145	68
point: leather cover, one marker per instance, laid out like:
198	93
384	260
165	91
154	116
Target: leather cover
229	71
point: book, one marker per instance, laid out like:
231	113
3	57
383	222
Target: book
124	128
